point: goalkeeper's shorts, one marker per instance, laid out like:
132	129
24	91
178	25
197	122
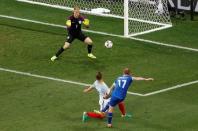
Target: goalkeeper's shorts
72	36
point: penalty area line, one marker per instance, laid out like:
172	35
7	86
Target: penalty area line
171	88
85	84
43	77
53	79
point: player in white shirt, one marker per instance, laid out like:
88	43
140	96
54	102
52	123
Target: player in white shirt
102	89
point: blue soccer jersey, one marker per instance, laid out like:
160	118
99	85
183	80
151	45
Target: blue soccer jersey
121	86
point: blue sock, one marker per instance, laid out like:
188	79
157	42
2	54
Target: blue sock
105	108
110	115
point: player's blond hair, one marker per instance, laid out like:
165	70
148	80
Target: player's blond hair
76	8
127	71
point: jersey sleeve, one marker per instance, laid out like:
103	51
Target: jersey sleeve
82	18
69	18
93	85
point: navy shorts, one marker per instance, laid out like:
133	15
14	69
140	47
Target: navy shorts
80	36
114	101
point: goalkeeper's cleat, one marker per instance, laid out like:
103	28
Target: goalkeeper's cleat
84	117
90	55
126	116
54	58
109	125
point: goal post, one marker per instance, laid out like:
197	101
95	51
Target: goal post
126	18
139	16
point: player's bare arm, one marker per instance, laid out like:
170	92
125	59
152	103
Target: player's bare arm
88	89
142	79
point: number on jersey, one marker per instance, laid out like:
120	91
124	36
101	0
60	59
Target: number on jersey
122	83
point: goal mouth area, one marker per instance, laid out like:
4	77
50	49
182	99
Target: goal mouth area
89	12
156	25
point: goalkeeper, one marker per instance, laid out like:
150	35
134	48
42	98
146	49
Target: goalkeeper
73	24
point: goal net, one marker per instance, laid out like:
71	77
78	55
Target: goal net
139	16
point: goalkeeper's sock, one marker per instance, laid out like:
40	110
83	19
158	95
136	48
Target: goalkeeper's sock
110	115
59	51
122	108
95	115
89	48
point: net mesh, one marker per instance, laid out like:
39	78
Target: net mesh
143	15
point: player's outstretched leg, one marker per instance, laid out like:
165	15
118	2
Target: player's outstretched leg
90	55
60	51
87	115
89	42
53	58
123	110
100	115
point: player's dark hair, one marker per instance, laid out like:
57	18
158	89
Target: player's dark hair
99	76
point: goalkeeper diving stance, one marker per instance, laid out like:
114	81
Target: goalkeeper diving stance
73	24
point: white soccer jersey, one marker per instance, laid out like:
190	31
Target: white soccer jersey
102	89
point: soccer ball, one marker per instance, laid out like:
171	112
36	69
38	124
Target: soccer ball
108	44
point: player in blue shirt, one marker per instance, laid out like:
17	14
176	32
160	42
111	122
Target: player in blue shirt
119	89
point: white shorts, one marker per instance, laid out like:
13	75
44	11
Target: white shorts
103	103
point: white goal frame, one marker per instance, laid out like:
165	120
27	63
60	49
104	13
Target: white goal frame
125	17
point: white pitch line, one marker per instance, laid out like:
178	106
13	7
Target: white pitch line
84	84
43	77
54	79
171	88
103	33
163	44
136	94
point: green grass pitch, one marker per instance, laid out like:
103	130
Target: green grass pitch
34	104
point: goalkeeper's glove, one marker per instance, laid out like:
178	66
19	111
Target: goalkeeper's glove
68	23
86	22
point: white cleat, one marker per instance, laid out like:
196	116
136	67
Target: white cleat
54	58
96	111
